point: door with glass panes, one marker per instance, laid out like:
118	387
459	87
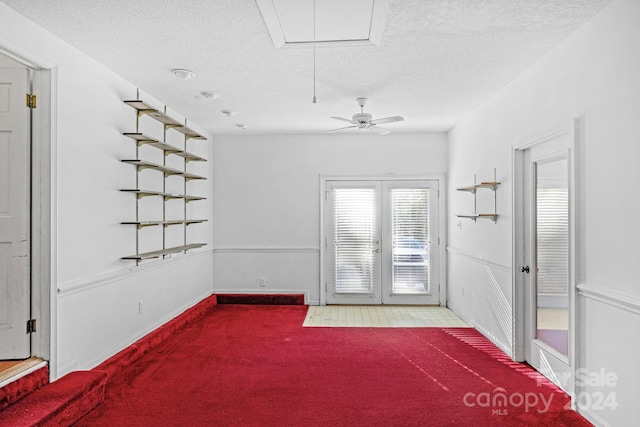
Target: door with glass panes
381	239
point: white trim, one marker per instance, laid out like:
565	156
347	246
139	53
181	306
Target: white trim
479	259
23	373
266	250
442	222
552	133
87	283
613	298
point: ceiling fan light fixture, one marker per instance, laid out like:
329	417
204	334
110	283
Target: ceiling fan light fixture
183	74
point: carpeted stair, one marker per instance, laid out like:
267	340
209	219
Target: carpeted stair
60	403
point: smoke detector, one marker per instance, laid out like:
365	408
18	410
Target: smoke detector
208	95
228	113
183	74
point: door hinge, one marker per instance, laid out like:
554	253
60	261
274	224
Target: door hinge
31	326
31	100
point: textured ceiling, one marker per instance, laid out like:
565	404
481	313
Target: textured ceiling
438	60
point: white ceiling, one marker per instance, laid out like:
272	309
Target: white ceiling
437	61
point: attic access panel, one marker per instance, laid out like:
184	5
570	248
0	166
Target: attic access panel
337	22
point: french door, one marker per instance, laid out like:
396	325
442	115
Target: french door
382	242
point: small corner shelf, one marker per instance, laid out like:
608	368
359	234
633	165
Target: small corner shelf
152	215
491	186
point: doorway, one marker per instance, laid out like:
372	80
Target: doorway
544	263
25	208
15	230
382	242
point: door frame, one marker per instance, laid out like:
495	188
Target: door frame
43	197
519	279
440	178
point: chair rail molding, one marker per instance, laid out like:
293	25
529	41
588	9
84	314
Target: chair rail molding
478	258
610	297
84	284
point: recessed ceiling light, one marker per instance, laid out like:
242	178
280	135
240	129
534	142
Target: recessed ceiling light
242	126
229	113
183	74
208	95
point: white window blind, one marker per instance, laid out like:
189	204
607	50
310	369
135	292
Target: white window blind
355	239
411	238
553	240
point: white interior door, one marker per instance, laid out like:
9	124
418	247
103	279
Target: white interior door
547	262
382	242
14	214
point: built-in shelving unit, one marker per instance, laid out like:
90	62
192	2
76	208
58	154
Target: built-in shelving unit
489	185
169	123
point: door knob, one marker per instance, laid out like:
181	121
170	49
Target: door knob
376	251
524	269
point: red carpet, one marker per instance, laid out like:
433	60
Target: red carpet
244	365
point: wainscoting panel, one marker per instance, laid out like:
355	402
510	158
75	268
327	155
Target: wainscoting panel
268	271
608	350
480	292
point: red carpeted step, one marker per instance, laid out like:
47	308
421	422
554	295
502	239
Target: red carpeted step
60	403
261	299
21	387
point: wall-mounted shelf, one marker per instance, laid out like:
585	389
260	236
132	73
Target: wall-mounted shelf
143	139
141	224
142	164
169	122
167	196
489	185
168	212
163	252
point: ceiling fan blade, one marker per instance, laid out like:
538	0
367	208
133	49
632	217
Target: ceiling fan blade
379	130
387	120
339	129
344	120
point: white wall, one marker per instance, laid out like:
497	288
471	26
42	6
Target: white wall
96	293
592	75
267	200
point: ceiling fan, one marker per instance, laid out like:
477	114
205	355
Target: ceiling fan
364	120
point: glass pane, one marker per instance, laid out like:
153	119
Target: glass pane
355	239
411	240
552	231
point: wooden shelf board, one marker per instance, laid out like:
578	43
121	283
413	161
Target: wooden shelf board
145	108
471	189
143	193
162	252
143	164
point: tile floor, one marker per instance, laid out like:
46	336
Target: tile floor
350	316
